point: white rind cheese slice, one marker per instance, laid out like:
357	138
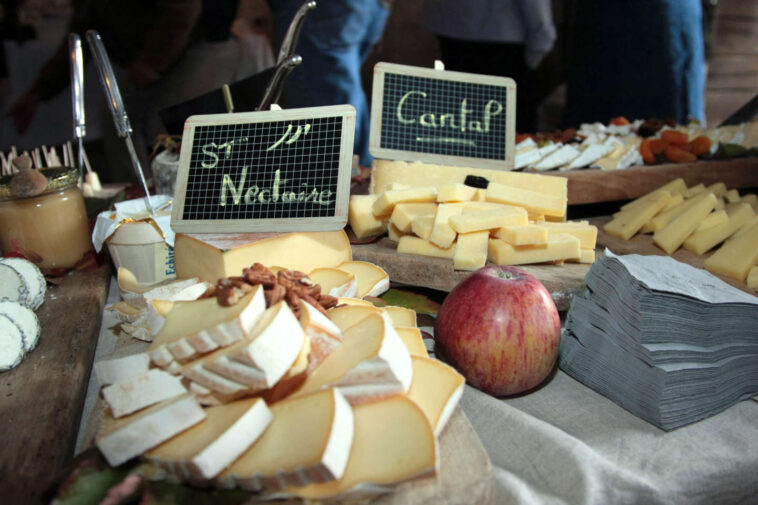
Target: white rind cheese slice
436	388
135	393
11	344
323	334
589	155
348	315
206	449
371	362
122	439
401	316
26	321
565	154
33	278
119	369
372	280
335	282
13	288
308	441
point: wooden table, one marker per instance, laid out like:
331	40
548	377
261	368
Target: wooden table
42	398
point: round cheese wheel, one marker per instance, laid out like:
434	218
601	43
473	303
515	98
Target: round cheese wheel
33	277
11	344
13	287
26	321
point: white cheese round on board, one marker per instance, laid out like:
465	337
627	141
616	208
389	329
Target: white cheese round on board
13	286
11	344
33	277
26	321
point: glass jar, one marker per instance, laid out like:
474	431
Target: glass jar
51	227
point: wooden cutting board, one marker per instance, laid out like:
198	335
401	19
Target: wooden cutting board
562	281
42	398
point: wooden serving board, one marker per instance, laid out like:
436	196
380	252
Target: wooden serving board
643	244
562	281
42	398
595	185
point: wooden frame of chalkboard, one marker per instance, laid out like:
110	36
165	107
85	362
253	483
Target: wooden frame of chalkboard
281	171
442	117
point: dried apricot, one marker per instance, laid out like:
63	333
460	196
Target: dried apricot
700	145
657	146
646	153
674	137
677	155
619	121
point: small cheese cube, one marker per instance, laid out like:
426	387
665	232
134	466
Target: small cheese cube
404	213
532	201
422	226
442	233
676	232
559	247
527	234
393	233
386	202
471	250
415	245
361	219
455	192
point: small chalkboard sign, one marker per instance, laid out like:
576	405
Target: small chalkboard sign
283	170
438	116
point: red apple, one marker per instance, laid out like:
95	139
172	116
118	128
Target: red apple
500	328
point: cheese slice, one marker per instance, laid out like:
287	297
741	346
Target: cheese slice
119	440
744	228
715	218
401	316
732	196
404	213
561	156
323	334
705	240
586	233
629	222
214	256
177	290
353	301
695	190
204	325
717	188
676	232
735	258
308	440
426	174
455	192
471	250
653	195
436	388
526	234
386	202
422	226
204	450
675	187
393	233
586	256
119	369
413	341
394	442
372	280
533	201
360	218
476	218
561	246
335	282
346	316
666	216
480	195
371	362
752	278
527	157
136	393
415	245
589	155
443	235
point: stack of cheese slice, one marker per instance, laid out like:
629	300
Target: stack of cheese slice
699	219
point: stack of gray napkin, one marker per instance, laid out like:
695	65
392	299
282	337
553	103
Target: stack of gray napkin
671	343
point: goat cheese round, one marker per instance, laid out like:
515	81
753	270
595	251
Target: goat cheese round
33	277
11	344
13	286
26	321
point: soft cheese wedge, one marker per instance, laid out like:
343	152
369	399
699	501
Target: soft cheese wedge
206	449
436	388
347	316
122	439
353	301
308	441
394	442
201	326
372	280
335	282
371	362
361	219
214	256
136	393
401	316
413	340
323	334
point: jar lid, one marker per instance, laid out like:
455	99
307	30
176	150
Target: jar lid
57	178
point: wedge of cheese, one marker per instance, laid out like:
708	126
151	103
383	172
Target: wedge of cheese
136	393
533	201
422	226
455	192
436	388
348	315
476	218
586	233
201	326
561	246
308	440
525	234
204	450
443	234
394	442
361	219
471	250
676	232
387	200
120	440
260	360
629	222
213	256
401	316
415	245
735	258
323	334
404	213
119	369
371	362
702	241
413	340
335	282
372	279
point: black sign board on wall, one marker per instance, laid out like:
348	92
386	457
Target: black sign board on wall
284	170
437	116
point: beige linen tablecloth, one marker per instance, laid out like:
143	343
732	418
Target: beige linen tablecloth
566	444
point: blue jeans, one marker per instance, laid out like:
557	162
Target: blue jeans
336	39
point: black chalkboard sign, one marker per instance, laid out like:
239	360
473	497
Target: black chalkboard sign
283	170
437	116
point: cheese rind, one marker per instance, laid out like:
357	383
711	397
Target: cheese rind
372	279
361	219
323	334
471	250
135	393
676	232
561	246
335	282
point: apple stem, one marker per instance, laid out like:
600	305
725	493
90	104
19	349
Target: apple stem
503	274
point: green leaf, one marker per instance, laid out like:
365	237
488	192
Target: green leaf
90	486
165	493
420	303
